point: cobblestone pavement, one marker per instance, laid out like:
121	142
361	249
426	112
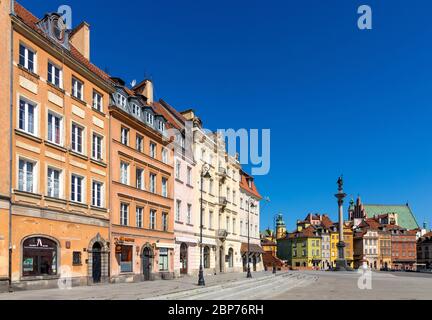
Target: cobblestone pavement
302	285
128	291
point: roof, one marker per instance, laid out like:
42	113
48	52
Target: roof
254	248
405	217
270	260
245	185
308	232
30	20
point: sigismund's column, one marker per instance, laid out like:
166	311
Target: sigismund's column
341	263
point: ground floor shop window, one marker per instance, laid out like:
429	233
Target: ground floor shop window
39	257
163	259
126	259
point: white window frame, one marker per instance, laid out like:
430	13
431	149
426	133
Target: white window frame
152	219
152	187
164	187
102	193
177	169
124	133
75	144
75	86
97	148
124	176
178	210
51	66
97	101
141	177
27	49
60	182
34	175
124	219
153	150
75	192
139	213
189	214
165	155
61	127
139	146
150	118
121	100
35	105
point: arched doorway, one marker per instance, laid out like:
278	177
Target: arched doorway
230	258
183	258
147	258
96	262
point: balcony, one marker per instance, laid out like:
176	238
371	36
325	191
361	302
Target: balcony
222	174
223	202
222	233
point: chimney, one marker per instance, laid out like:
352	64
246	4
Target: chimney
80	39
145	88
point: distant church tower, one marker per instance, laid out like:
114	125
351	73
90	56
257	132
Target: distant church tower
356	212
280	227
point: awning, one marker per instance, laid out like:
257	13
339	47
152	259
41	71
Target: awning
253	248
208	241
187	240
165	245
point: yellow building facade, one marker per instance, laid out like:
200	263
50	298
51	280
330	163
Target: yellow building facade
59	165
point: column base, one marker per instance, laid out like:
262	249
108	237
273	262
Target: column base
342	265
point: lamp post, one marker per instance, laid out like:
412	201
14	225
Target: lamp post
204	174
249	274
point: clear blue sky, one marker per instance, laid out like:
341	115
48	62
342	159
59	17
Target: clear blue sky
337	99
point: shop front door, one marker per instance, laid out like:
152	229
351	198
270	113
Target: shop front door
146	263
183	258
96	262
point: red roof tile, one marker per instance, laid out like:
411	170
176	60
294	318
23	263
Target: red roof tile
245	185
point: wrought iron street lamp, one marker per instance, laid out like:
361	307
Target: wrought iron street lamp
204	174
249	274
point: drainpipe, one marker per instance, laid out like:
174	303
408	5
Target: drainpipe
12	12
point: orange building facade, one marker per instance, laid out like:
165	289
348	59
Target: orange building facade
59	217
142	224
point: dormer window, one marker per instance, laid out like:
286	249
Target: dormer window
121	100
250	183
136	110
150	118
161	126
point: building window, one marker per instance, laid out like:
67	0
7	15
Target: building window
211	186
76	188
139	143
124	172
55	126
97	101
97	194
126	259
189	214
206	257
124	136
234	225
124	214
121	100
152	219
55	75
139	217
164	155
136	110
152	150
39	257
161	126
227	224
178	209
241	227
77	89
210	219
53	179
149	118
164	221
26	176
163	259
228	193
203	154
76	258
97	147
77	138
140	178
189	176
164	187
152	183
27	58
178	167
234	197
27	116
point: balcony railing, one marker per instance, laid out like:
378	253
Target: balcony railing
222	233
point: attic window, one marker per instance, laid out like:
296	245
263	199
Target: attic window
136	110
150	118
